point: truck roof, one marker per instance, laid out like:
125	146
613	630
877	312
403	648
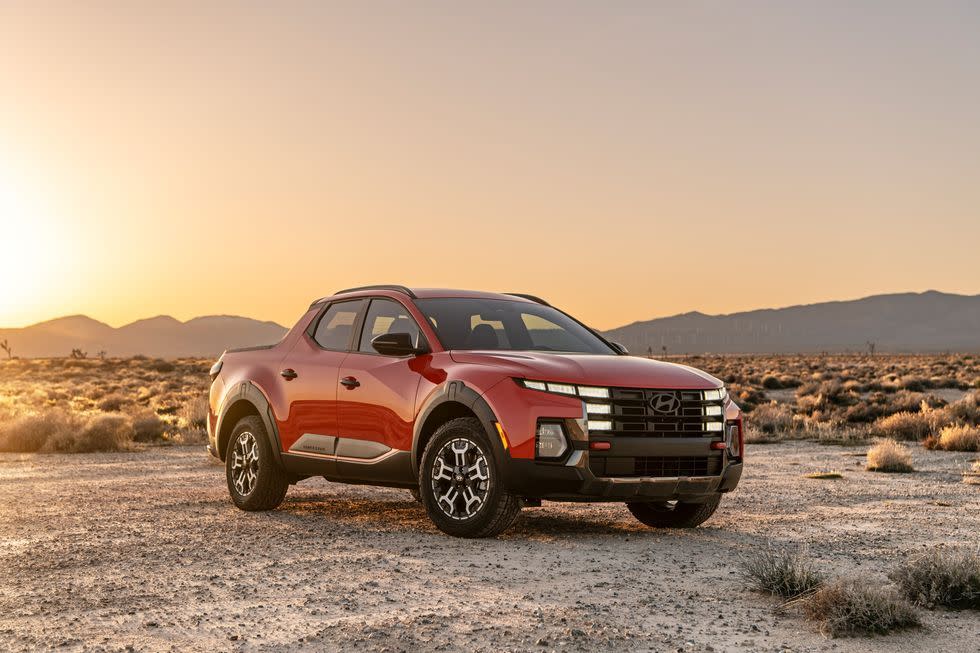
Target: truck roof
427	293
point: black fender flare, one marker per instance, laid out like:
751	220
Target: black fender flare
250	393
459	392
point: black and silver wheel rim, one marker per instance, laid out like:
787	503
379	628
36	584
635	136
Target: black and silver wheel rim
245	463
460	479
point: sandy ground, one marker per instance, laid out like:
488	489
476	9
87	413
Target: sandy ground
144	551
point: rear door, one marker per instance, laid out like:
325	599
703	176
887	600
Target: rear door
377	393
310	374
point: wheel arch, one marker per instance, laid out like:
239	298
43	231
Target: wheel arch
247	400
455	399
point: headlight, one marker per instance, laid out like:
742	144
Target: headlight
715	395
550	442
565	389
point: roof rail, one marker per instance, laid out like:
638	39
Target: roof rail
396	288
537	300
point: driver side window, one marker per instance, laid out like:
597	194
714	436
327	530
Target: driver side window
386	316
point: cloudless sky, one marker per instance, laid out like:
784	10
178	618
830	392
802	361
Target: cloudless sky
625	160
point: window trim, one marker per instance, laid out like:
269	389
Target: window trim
355	326
356	344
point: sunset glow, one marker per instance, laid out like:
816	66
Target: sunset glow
623	162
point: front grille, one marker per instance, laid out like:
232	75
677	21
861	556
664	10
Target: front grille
655	466
640	412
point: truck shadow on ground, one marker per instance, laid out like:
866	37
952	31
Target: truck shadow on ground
563	520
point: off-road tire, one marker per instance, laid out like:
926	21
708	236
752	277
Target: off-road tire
680	515
498	510
271	481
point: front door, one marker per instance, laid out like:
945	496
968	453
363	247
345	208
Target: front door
376	396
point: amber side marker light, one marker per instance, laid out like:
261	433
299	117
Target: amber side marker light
503	436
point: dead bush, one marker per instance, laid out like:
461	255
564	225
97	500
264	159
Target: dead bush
889	456
959	438
782	571
194	413
148	427
942	577
113	403
903	426
99	433
772	418
858	606
30	433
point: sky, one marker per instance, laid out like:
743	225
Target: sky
624	160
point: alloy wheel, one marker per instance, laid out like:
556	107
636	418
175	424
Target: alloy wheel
245	463
460	479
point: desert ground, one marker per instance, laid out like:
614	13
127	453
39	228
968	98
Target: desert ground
134	545
143	550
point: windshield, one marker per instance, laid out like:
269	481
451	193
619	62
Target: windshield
464	323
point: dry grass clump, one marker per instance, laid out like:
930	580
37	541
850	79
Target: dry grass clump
827	475
57	430
99	433
857	606
147	427
958	437
115	402
903	426
950	578
781	571
889	456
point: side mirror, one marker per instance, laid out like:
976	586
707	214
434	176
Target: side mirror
621	348
396	344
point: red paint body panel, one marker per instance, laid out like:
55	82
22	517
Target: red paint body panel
394	391
382	408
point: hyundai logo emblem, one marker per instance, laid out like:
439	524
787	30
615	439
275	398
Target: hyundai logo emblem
665	403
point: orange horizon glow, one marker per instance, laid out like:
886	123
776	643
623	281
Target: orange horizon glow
624	162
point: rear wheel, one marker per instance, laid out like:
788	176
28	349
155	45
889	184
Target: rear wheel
674	514
460	482
255	479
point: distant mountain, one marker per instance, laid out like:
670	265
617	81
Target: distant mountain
161	336
909	322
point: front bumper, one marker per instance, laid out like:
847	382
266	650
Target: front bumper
574	481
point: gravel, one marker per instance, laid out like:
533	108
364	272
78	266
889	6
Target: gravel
144	551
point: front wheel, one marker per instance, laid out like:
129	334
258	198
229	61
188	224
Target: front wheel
255	479
460	482
674	514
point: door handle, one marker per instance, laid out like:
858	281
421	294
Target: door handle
289	374
349	382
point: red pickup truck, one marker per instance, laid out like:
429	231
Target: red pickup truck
480	403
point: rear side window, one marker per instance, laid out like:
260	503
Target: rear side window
336	324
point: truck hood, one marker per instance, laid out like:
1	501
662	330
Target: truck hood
584	369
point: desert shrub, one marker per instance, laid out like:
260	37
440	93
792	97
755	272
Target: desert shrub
903	426
857	606
966	410
889	456
30	433
746	396
147	427
113	403
194	412
160	366
957	438
782	571
771	382
950	578
100	433
772	418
